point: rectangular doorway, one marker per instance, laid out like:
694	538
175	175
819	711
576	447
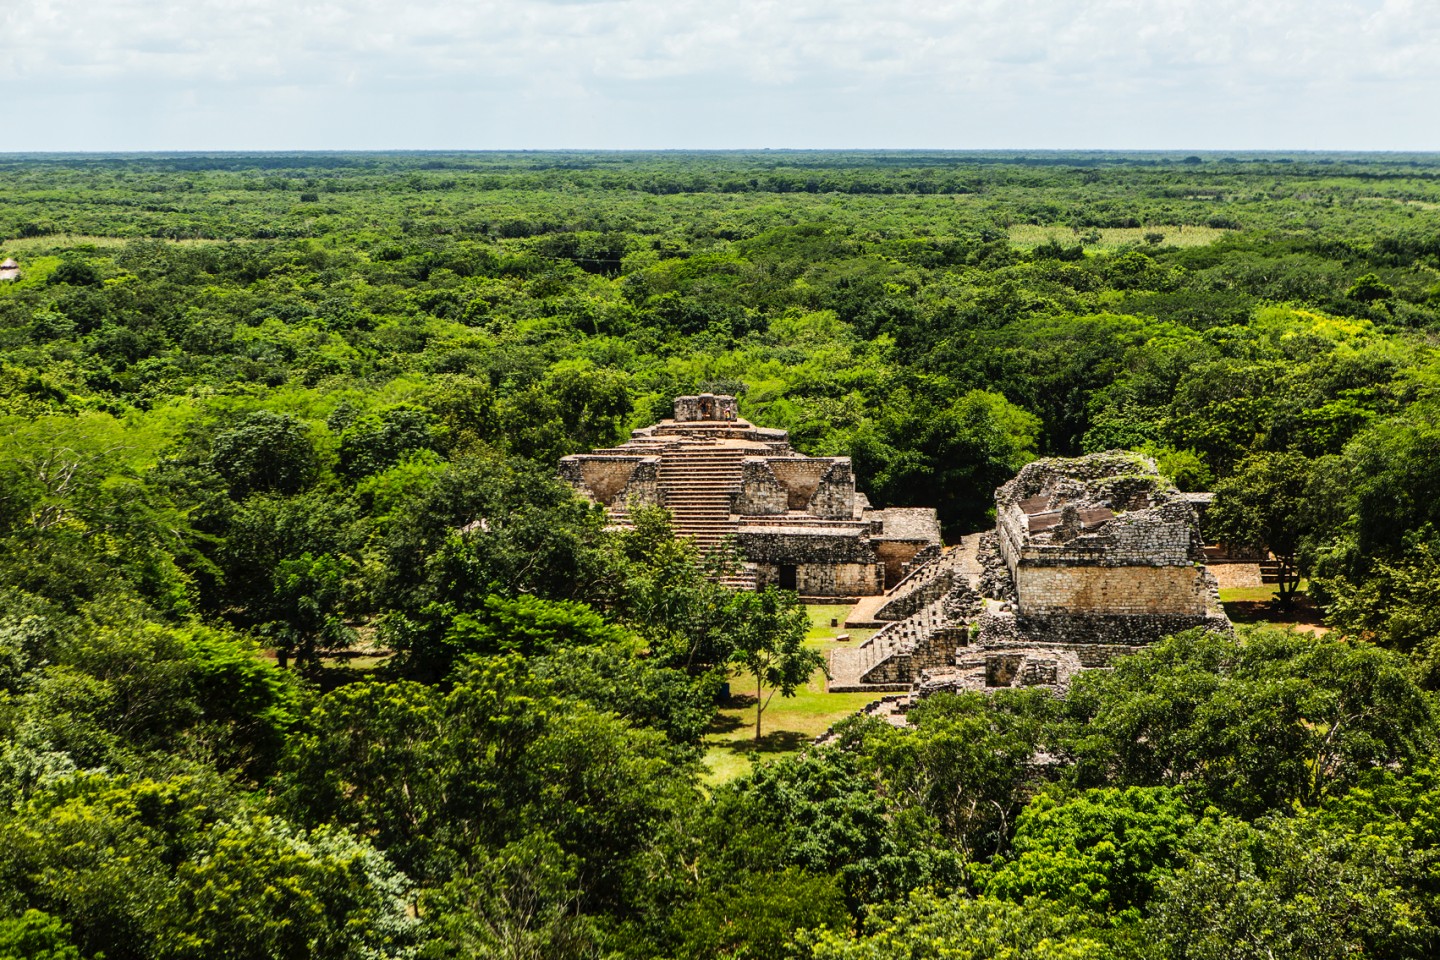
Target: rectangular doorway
787	577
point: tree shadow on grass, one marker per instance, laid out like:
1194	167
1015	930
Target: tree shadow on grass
1302	613
778	741
723	723
727	724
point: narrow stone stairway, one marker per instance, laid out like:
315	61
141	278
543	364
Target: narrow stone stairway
699	483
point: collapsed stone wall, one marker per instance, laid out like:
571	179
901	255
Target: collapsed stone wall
995	578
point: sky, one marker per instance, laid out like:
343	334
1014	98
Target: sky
1230	75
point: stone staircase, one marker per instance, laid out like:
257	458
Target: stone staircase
901	649
922	587
699	483
928	581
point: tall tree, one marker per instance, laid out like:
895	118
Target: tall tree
1263	506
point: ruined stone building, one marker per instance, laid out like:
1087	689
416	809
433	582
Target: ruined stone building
1090	558
9	269
798	521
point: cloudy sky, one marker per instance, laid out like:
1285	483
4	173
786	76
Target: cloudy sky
476	74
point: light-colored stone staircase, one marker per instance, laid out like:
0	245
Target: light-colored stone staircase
699	483
924	584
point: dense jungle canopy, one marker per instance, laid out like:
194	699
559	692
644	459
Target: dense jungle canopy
256	410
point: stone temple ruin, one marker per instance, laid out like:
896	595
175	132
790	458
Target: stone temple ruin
798	521
1090	558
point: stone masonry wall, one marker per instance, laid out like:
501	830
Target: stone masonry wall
1164	535
834	497
761	494
800	476
826	579
1096	629
908	604
614	480
803	548
839	579
1113	590
898	557
821	487
936	651
643	490
706	406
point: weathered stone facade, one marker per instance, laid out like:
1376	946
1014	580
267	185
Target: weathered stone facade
798	521
612	481
1102	535
707	407
1090	559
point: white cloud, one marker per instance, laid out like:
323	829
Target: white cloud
433	73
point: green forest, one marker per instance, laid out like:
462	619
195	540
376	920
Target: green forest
306	651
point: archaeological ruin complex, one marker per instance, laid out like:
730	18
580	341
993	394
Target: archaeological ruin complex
1090	558
797	521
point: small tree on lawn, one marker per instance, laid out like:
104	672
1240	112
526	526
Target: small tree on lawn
769	632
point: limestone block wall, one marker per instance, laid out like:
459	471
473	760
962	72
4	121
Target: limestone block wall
1079	630
827	579
1132	590
834	496
1229	576
798	547
1165	535
839	579
908	604
1011	532
821	487
800	476
761	493
898	557
614	480
643	489
933	652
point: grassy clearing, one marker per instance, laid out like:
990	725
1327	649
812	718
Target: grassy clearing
1247	594
1420	204
1176	235
789	723
1260	605
67	241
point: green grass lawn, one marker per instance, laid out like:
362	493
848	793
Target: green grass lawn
1258	605
1247	594
789	722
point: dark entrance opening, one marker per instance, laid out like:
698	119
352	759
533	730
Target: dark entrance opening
787	577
